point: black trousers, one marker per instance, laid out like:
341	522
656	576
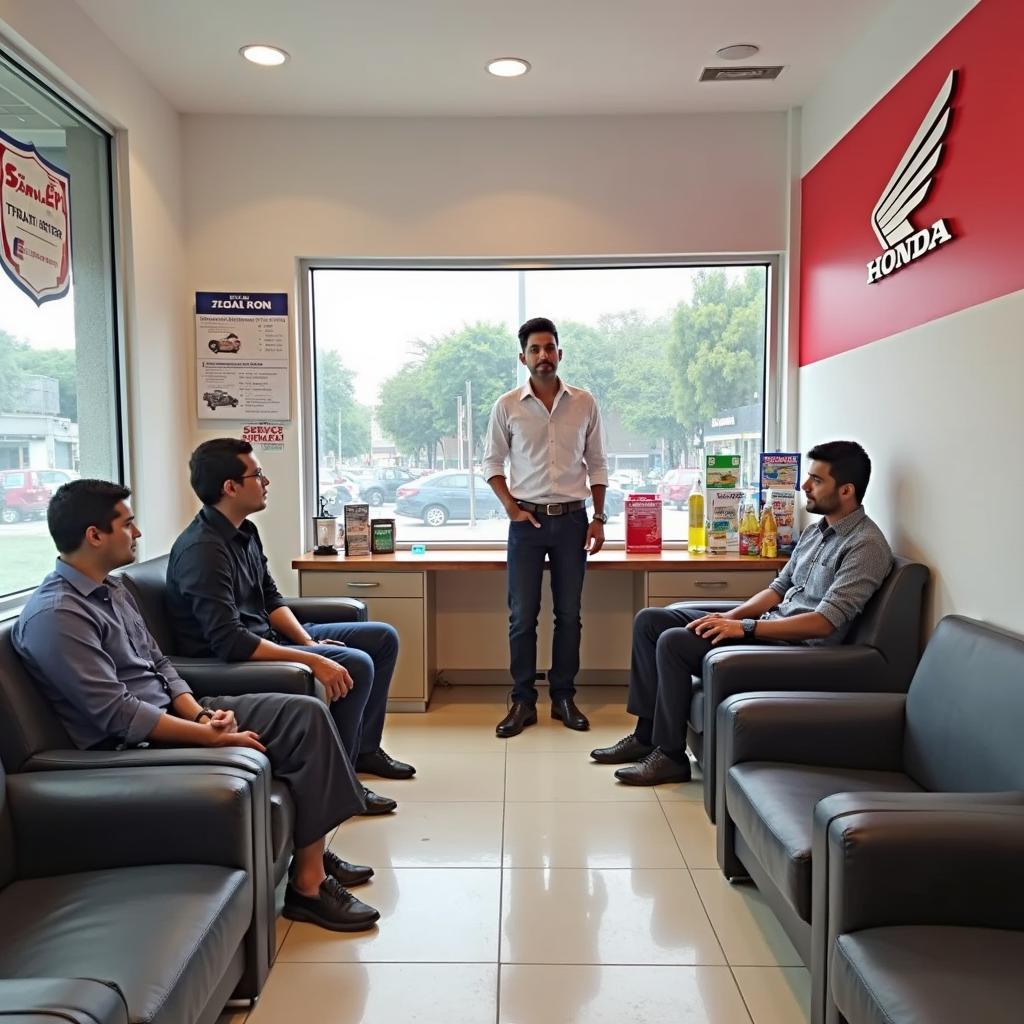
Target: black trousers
305	753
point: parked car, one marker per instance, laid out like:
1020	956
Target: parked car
25	494
676	485
614	502
228	343
381	485
443	496
54	478
336	496
216	398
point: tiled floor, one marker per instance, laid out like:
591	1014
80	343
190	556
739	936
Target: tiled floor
519	884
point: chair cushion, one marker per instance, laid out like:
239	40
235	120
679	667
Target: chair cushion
164	934
696	721
282	827
772	805
938	974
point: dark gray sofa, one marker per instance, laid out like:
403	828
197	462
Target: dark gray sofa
143	915
879	654
790	764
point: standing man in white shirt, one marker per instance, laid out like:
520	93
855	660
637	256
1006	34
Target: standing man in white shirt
551	435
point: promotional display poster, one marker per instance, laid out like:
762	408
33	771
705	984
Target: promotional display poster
35	221
242	356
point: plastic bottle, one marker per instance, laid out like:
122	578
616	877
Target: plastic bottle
769	533
750	533
696	540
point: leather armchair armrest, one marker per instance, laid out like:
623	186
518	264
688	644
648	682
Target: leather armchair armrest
191	815
209	677
327	609
62	1000
712	604
837	730
242	758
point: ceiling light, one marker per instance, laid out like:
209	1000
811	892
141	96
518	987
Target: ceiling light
508	67
738	51
265	56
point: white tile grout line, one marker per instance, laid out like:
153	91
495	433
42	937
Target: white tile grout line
501	888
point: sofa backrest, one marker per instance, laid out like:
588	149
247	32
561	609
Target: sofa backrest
147	582
6	835
27	722
965	710
891	620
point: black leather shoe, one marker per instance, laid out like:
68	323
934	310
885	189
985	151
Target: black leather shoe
377	804
626	751
380	763
565	710
345	874
516	720
657	767
334	908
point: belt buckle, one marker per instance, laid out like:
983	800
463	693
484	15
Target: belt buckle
558	505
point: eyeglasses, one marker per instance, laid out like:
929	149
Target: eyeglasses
258	475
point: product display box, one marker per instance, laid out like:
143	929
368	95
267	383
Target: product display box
643	524
722	503
357	529
780	480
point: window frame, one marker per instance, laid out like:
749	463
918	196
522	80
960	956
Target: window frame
115	180
775	370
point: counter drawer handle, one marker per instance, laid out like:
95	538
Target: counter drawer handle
703	583
362	584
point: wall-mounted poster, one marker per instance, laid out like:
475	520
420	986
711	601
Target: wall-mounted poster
242	356
35	221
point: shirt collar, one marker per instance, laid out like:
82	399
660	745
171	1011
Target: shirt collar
82	583
526	391
846	525
214	518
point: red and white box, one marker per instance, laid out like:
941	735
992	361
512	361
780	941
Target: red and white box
643	523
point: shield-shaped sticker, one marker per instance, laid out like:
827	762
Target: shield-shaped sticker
35	221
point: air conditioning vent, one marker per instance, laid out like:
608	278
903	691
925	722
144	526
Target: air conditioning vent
747	74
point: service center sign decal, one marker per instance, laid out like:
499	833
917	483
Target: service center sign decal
35	224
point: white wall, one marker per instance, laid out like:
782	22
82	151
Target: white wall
938	407
263	192
62	42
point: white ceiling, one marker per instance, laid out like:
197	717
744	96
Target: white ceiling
427	57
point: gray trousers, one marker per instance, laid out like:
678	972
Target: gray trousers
305	753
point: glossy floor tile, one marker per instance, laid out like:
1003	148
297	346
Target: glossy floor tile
378	994
749	932
580	916
540	776
442	915
442	777
455	834
776	995
592	834
693	832
616	995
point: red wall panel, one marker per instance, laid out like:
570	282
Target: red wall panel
977	189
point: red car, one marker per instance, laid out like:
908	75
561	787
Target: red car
676	485
24	494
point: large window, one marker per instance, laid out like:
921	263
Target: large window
408	362
59	416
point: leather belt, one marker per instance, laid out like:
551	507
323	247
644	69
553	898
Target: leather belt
552	508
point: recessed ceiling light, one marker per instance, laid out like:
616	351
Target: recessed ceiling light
738	51
265	56
508	67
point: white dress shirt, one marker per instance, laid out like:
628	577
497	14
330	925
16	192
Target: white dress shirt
550	455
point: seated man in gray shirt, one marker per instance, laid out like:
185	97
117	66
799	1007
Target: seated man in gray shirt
83	640
835	568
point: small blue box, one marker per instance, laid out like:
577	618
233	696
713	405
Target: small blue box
418	549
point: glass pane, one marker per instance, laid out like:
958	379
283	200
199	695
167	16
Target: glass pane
674	355
58	394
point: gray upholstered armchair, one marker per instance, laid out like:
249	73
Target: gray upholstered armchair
879	654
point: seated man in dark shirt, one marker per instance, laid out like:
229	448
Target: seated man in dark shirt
224	603
83	640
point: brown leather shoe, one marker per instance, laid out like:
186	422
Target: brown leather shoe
654	770
565	710
516	720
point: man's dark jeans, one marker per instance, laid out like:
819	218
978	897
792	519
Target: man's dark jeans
561	540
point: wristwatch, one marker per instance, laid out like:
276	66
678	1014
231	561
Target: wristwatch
600	517
749	625
204	713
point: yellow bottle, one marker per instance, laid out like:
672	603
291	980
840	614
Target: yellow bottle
750	533
769	533
696	540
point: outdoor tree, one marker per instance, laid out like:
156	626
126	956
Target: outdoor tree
59	363
344	424
406	413
12	377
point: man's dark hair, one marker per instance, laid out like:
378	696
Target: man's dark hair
212	463
79	504
538	325
847	462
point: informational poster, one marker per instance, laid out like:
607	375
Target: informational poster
35	221
242	356
265	437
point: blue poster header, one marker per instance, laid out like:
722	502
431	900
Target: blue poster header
243	303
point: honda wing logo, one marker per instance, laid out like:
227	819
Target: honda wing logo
907	190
